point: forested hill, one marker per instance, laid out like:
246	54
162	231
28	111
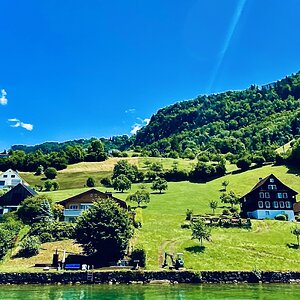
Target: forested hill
235	121
116	142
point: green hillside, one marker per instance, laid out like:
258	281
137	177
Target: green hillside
263	248
235	121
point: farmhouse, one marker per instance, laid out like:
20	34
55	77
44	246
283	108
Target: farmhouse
268	198
78	203
10	178
13	198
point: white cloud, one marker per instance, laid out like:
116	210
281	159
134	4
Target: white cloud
147	121
137	126
130	110
3	99
18	123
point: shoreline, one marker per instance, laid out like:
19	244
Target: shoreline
149	277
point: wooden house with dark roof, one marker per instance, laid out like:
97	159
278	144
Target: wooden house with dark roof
267	199
78	203
13	198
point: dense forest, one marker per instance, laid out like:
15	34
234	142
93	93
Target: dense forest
254	120
243	127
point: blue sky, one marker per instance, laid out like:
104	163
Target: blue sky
77	68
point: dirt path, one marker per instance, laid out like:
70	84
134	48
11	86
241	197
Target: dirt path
166	246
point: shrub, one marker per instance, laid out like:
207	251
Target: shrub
138	219
106	181
281	217
139	254
50	173
90	182
57	230
30	246
226	212
46	237
48	185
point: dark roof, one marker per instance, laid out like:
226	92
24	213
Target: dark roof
16	195
103	196
264	180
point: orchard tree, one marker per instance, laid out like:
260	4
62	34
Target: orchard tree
200	232
48	185
139	196
121	183
213	205
225	183
160	185
230	198
296	231
104	231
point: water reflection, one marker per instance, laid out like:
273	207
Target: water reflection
151	292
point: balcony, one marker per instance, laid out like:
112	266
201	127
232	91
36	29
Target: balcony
72	212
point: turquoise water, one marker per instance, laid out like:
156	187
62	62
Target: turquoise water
151	292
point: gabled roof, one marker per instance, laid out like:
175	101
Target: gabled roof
16	195
103	196
264	180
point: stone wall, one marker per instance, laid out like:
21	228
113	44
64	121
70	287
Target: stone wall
142	277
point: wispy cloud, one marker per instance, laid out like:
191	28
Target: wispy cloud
18	123
233	25
138	126
3	99
130	110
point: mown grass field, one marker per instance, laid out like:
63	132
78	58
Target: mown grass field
75	176
265	247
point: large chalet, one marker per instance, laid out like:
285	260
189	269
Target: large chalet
268	198
75	205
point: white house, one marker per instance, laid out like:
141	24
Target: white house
10	179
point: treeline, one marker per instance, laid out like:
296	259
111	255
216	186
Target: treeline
30	162
256	120
116	142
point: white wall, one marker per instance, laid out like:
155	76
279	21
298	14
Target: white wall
11	178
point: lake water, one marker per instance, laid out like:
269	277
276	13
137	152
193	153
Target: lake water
152	292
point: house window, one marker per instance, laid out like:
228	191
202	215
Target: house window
73	206
287	204
268	204
2	182
12	176
281	204
267	195
261	195
275	204
85	206
272	187
279	195
4	176
260	204
285	195
271	180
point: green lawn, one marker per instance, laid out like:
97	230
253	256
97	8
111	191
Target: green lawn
264	247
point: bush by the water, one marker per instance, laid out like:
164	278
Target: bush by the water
140	255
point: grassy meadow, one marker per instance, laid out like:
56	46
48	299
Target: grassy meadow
267	246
